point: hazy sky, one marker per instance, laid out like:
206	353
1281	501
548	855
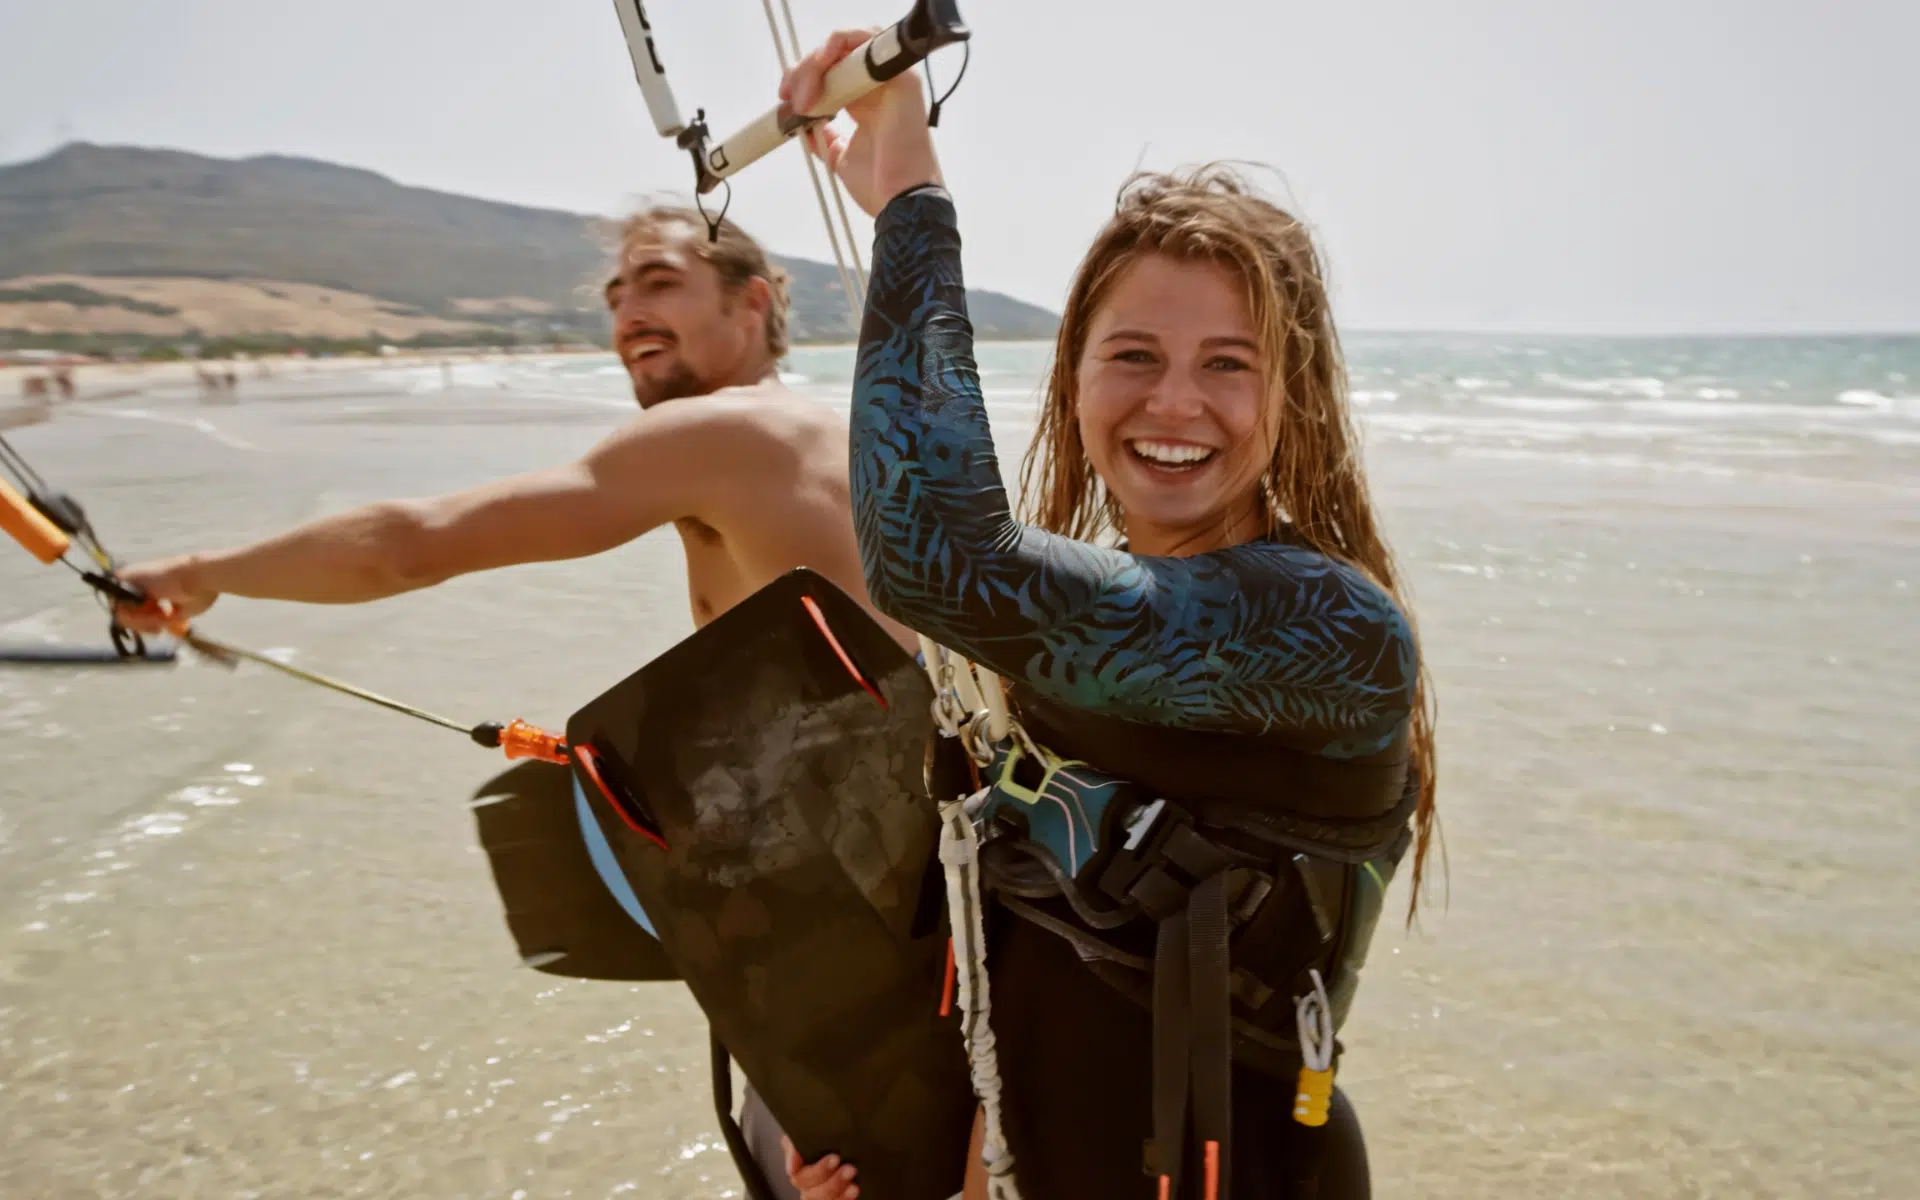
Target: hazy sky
1590	165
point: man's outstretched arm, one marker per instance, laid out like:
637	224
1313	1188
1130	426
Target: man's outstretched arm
681	460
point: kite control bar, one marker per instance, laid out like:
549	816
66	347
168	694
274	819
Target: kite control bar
49	524
932	25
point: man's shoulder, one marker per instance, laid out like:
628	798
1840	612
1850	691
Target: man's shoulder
769	414
742	432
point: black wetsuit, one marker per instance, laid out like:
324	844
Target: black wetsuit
1267	638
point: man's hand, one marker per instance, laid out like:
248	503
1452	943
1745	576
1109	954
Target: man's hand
172	582
820	1181
891	149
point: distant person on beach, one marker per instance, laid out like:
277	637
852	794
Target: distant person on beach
754	482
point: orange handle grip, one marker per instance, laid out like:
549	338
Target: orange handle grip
178	626
24	523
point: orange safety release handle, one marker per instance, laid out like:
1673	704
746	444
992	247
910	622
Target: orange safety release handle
521	740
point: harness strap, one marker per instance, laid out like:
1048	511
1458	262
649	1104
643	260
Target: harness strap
751	1173
1091	949
1207	931
1172	1051
1192	1041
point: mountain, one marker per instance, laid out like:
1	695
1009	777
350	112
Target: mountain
76	220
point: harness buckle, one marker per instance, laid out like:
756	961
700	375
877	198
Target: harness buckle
1163	858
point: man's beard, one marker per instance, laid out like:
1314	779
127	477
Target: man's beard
677	384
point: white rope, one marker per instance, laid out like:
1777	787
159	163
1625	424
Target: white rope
964	683
999	720
833	185
960	858
856	304
1313	1017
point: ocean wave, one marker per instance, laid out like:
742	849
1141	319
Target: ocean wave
1861	398
1722	409
1864	398
1633	462
1539	404
1373	396
1444	426
1625	385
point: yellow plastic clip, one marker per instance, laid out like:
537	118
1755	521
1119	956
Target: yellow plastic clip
1050	765
1314	1095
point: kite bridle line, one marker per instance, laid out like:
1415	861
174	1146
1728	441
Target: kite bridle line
856	298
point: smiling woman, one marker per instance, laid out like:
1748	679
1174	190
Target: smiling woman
1241	660
1172	401
1225	708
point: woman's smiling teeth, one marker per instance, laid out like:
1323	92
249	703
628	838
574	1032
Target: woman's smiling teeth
1170	456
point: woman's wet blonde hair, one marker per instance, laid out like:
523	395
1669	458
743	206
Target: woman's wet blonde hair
1314	482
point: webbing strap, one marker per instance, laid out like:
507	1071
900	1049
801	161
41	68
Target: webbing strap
1207	930
758	1187
1172	1051
1192	1040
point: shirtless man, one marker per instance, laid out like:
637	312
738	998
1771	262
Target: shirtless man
754	481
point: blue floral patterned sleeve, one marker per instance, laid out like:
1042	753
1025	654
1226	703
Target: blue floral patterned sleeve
1262	638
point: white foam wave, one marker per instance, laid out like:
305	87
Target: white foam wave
1539	404
1722	409
1448	426
1633	385
1899	404
1861	398
1636	462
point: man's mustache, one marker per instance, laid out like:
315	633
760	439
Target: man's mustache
639	332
